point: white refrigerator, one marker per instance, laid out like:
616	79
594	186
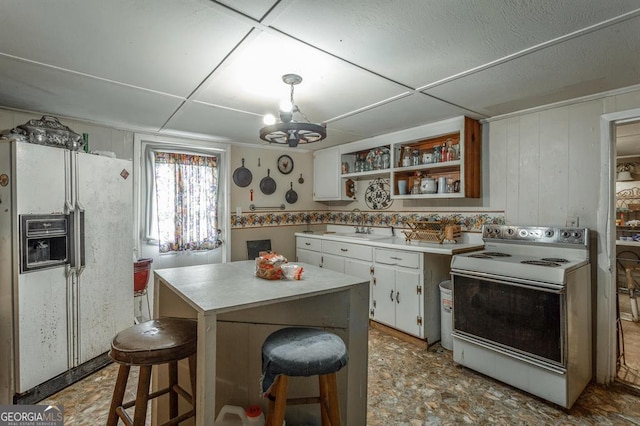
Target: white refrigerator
57	320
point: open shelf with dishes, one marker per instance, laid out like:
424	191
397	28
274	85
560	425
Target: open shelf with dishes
336	169
442	166
366	163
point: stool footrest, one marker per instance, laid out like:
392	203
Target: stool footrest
124	416
302	401
180	418
151	396
183	393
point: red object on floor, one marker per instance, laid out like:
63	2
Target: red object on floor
141	270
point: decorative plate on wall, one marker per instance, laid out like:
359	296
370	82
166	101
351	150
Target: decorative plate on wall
285	164
378	195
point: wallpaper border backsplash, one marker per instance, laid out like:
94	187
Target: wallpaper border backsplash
469	221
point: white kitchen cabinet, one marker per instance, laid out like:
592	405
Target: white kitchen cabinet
352	259
397	290
326	172
405	291
309	250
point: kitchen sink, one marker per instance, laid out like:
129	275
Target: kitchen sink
367	237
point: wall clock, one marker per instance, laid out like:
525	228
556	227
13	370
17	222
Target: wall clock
285	164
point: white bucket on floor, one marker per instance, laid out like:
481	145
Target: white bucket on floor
446	317
232	415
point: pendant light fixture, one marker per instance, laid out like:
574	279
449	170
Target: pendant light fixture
624	171
288	131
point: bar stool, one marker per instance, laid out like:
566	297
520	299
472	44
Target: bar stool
301	351
155	342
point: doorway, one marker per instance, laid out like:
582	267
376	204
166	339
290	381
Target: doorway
627	244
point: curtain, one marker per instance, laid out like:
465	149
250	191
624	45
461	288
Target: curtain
186	195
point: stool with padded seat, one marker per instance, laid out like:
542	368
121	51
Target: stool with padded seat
155	342
302	351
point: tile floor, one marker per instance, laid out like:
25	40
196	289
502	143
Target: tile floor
414	386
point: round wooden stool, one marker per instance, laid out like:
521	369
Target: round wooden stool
301	351
159	341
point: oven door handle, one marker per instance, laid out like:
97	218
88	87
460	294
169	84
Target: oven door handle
516	282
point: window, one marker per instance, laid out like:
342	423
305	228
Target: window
184	200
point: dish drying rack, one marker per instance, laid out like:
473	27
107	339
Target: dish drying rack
432	231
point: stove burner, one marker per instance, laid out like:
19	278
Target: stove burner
554	259
540	263
480	256
496	254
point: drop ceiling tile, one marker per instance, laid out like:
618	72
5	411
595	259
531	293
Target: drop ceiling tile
593	63
253	8
252	80
165	45
400	114
223	125
81	97
416	42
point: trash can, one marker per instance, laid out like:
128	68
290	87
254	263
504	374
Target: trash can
446	317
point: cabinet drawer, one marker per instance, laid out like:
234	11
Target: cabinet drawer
354	251
312	244
399	258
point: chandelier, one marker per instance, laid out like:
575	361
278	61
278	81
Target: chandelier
288	131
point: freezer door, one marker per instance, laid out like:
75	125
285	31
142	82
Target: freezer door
105	284
41	178
41	336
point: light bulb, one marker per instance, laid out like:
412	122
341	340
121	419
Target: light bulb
269	119
286	105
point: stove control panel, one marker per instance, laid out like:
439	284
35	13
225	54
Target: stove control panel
536	234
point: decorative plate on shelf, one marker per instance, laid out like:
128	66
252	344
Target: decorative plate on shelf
378	195
285	164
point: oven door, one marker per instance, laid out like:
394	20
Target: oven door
519	316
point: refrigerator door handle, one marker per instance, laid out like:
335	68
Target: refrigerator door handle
80	237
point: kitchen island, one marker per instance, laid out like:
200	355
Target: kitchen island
236	311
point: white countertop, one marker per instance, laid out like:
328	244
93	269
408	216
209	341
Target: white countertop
398	242
224	287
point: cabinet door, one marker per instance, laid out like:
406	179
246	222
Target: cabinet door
408	301
361	269
384	295
334	263
311	257
326	174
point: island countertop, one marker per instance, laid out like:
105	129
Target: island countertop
225	287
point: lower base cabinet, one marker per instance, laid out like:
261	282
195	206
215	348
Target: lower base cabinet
397	299
405	292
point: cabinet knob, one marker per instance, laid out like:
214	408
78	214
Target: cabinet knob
398	297
344	249
307	244
391	295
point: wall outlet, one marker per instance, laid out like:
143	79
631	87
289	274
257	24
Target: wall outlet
573	221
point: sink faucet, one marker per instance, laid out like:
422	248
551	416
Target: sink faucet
360	220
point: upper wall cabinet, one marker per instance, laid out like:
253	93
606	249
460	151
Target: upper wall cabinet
437	160
326	168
